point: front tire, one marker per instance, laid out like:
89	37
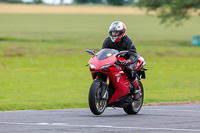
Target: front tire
96	103
136	105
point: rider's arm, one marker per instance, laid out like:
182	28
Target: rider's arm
105	43
133	54
132	50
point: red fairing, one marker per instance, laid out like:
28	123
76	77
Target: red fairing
121	84
116	75
140	62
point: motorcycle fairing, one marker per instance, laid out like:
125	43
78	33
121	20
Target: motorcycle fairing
117	76
140	62
121	85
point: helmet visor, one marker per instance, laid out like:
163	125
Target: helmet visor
115	33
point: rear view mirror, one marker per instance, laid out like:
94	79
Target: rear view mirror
90	51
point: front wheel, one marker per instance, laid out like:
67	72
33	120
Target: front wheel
96	102
136	105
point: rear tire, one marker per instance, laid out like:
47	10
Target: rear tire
96	103
136	105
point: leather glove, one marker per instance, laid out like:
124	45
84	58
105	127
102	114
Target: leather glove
118	62
123	63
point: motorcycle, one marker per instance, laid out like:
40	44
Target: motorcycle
111	86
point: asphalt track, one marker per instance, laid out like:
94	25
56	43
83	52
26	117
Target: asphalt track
152	119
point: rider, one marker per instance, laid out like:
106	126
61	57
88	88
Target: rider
119	41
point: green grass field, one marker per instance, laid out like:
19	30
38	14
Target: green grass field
43	58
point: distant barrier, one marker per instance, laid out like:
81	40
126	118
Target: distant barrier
196	40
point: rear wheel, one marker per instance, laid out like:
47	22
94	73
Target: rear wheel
136	105
96	102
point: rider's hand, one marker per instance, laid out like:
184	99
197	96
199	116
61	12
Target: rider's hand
118	62
123	63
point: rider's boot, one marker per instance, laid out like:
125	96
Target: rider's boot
137	89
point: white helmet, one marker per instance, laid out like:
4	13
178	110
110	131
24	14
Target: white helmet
117	26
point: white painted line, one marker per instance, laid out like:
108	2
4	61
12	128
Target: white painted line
173	110
101	126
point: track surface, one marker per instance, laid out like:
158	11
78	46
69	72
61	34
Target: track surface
154	119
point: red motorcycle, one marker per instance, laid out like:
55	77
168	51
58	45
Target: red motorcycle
111	86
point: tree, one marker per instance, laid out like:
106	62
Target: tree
82	1
88	1
38	1
96	1
116	2
11	1
173	11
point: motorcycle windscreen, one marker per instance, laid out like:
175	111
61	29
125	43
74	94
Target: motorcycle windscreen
105	53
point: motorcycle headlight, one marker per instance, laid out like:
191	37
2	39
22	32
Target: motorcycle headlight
105	66
92	66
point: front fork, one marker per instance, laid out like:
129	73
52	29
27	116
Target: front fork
104	91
